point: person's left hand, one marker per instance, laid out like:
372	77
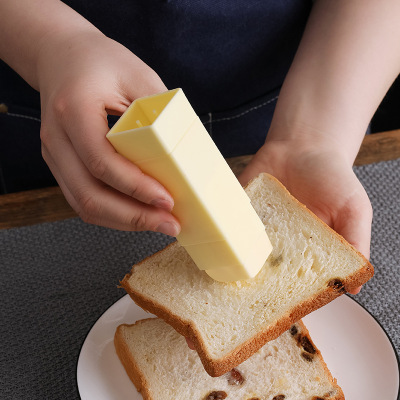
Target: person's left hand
323	180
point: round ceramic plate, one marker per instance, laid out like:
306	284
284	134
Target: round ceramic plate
353	344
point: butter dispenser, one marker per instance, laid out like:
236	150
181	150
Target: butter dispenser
220	230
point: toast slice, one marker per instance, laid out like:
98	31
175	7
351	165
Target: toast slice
162	367
310	265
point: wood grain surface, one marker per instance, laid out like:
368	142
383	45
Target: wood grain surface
48	205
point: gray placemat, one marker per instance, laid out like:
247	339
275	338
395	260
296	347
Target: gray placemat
381	296
57	279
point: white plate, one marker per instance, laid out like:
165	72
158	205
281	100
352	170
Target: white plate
353	344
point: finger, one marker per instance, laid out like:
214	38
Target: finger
101	205
354	225
190	344
147	82
87	132
356	290
251	170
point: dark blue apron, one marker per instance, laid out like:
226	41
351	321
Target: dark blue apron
230	57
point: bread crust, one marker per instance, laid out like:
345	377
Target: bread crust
217	367
339	395
131	368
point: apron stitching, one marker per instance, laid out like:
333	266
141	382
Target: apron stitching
247	111
210	122
24	116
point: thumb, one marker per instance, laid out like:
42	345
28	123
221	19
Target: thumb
145	82
355	226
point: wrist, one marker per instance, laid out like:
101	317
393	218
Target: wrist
58	48
300	147
303	125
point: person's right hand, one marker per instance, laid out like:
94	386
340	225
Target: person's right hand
81	78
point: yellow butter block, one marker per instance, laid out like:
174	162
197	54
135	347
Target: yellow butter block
219	227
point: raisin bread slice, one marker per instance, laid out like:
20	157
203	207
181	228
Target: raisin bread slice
162	367
310	265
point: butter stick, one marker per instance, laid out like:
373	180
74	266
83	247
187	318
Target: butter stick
220	230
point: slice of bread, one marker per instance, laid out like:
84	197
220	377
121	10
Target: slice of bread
162	367
310	265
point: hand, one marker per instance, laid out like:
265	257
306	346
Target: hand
81	78
321	178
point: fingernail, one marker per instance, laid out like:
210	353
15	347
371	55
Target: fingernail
162	203
169	228
356	291
190	344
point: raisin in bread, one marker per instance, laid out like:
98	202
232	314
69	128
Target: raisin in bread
162	367
310	265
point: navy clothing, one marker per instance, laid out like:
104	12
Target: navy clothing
230	57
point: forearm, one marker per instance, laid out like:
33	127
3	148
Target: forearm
347	60
25	26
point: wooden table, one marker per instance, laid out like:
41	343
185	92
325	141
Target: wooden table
47	205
